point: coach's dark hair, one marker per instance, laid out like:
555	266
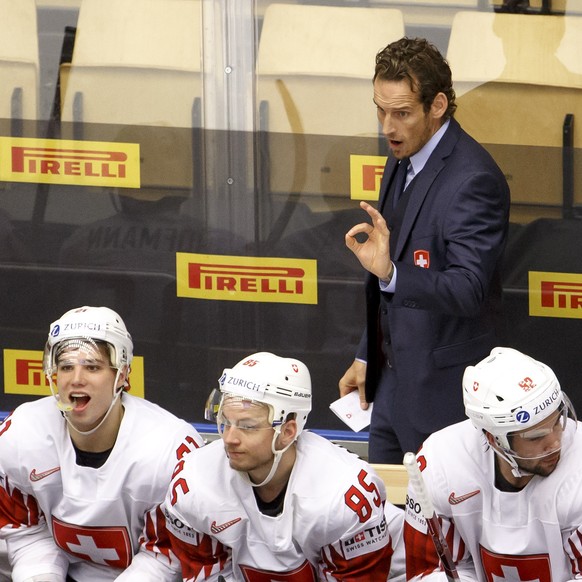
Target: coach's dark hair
421	63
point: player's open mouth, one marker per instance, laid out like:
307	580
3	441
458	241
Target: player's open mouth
79	401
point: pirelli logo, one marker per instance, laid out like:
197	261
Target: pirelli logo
365	176
80	163
259	279
555	294
23	374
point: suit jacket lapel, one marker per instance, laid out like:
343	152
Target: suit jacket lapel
387	178
423	182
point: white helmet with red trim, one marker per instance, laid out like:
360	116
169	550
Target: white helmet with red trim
96	323
509	392
80	330
284	384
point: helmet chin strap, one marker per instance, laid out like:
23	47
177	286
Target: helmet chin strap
66	408
516	470
277	455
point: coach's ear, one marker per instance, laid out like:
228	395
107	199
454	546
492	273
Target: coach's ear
439	105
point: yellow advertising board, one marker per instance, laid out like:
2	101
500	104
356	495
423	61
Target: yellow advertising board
79	163
239	278
365	176
555	294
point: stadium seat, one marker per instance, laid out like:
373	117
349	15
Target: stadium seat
517	76
129	66
59	3
315	68
555	6
309	49
135	77
19	60
428	14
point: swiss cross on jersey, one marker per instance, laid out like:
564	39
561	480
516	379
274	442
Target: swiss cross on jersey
422	259
503	568
107	546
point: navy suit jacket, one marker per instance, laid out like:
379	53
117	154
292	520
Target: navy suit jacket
441	318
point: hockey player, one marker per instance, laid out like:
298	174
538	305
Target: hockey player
270	501
506	484
79	481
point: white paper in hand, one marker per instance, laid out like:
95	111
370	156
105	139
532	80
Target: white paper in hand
347	408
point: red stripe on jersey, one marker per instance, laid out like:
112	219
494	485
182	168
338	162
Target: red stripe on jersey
156	536
575	543
421	556
370	567
17	508
200	558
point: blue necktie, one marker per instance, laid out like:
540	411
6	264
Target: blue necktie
400	180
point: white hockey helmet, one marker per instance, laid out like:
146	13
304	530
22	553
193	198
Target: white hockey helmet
284	384
509	392
95	323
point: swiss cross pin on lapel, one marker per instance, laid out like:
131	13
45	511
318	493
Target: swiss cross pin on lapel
422	258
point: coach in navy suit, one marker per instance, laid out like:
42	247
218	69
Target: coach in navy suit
432	252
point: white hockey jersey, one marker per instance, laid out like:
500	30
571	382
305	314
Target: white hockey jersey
531	535
96	516
335	523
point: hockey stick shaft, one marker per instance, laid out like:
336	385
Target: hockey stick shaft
429	514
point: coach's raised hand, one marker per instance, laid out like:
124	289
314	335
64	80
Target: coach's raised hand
374	252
